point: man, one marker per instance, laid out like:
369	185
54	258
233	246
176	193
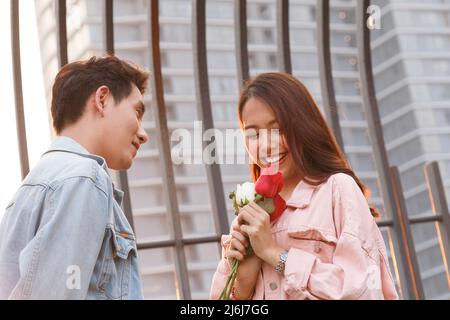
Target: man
64	235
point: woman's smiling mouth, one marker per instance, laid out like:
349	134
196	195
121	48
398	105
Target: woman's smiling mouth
274	159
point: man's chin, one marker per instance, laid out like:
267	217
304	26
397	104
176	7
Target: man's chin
122	165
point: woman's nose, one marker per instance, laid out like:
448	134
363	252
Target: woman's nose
269	143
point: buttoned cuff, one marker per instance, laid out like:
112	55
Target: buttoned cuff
297	271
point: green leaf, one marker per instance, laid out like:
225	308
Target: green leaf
235	206
258	197
267	204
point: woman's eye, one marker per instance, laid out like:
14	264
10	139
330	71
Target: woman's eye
251	134
275	130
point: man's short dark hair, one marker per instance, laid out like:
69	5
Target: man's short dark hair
77	81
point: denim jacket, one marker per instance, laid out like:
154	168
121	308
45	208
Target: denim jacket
64	234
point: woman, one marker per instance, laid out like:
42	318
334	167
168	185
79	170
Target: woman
326	244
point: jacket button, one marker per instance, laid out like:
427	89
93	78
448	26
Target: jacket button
317	247
273	286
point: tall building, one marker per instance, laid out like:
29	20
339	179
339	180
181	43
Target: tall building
412	74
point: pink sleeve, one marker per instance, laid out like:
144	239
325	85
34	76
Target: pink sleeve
222	271
354	271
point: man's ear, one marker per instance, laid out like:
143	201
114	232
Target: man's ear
101	96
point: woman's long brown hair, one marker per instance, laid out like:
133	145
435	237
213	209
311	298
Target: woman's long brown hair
312	144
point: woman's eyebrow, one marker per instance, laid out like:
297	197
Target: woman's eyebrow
252	126
271	122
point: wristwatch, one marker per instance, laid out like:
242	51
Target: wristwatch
282	262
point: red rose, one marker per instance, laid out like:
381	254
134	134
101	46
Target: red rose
279	205
269	184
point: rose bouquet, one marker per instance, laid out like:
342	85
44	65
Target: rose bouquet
265	193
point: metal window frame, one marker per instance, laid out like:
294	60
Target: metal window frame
241	41
162	132
122	176
325	69
61	27
18	90
283	41
204	111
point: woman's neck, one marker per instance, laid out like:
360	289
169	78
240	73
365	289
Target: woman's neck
289	186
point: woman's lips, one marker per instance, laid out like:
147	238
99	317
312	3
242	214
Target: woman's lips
275	160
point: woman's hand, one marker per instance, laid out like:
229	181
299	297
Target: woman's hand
238	245
238	250
254	222
249	265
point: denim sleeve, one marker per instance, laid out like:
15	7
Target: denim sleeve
59	261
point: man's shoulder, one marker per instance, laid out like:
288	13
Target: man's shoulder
55	168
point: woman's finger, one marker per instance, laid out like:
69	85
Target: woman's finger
245	216
233	254
257	211
236	244
239	236
247	230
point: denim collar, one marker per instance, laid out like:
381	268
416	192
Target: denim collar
66	144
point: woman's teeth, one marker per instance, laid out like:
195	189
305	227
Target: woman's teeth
276	158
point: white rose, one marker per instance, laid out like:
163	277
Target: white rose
245	193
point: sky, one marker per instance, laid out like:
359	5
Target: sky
36	114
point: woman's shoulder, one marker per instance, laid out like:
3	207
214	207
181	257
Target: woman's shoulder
342	179
343	183
310	189
342	187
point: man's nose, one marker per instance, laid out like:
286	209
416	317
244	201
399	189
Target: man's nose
142	135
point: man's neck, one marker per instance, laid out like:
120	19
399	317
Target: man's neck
83	138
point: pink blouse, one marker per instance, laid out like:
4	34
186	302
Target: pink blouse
336	250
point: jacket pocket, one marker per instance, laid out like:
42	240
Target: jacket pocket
313	240
115	275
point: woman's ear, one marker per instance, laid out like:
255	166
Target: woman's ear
284	142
